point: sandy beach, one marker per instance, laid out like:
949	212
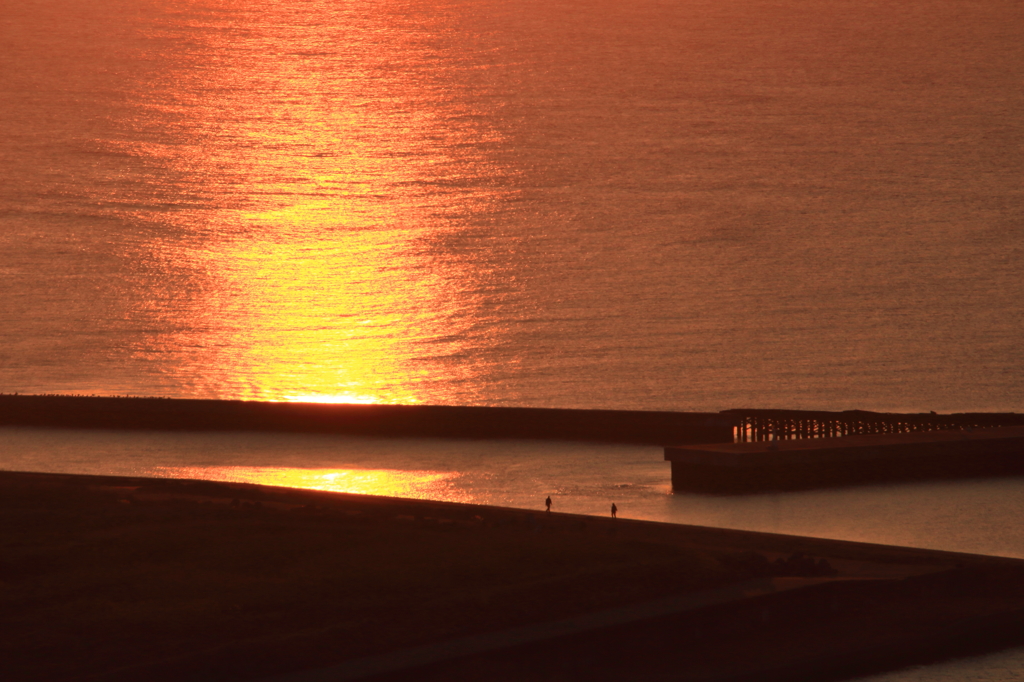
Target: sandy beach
109	578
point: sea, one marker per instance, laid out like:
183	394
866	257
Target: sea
688	205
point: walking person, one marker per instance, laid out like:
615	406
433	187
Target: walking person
547	503
614	510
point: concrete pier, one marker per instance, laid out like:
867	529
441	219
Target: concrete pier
852	460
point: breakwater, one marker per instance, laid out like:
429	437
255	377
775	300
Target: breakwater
444	421
752	467
438	421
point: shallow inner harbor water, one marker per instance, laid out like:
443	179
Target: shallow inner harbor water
977	516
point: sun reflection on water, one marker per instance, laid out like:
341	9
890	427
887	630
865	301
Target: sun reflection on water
434	485
332	399
321	189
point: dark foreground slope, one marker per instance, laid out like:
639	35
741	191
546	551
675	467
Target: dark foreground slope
113	579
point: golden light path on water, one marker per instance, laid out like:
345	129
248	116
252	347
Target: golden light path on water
327	317
433	485
324	183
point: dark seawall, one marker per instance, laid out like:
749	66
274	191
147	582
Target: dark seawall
740	468
605	426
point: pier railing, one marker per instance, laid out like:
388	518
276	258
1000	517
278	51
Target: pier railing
765	425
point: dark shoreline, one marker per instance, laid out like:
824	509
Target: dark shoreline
153	539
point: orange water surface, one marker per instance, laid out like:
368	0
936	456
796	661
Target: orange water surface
384	482
693	205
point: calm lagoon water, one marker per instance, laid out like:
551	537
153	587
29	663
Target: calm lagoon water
969	516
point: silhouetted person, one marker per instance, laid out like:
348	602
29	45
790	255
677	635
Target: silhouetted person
547	503
614	510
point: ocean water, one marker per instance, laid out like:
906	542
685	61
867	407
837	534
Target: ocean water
686	205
